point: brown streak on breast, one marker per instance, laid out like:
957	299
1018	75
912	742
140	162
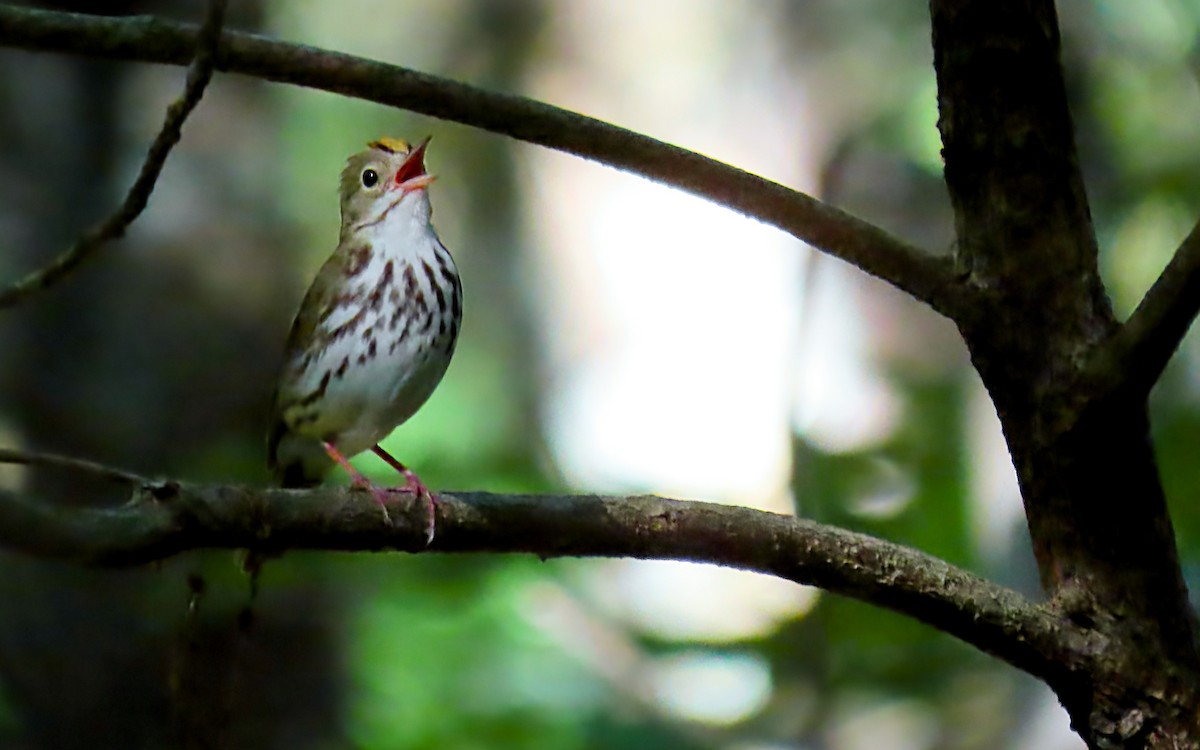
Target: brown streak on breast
339	301
318	393
375	299
403	335
357	260
346	328
435	286
412	289
456	299
443	259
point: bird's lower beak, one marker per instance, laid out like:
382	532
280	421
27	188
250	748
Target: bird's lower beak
416	183
411	175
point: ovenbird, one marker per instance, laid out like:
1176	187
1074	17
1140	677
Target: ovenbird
375	331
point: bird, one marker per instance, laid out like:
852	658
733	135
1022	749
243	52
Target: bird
375	331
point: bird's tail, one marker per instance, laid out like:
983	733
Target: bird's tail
295	461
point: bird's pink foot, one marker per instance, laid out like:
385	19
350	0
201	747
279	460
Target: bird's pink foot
358	480
379	493
414	485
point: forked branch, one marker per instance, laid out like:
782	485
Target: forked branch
1135	357
928	277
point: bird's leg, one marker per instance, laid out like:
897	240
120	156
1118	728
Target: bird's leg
413	484
358	480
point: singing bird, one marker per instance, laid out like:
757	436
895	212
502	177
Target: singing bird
375	331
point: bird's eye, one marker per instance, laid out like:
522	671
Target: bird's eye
370	177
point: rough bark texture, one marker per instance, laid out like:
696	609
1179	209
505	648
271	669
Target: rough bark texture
164	519
1095	506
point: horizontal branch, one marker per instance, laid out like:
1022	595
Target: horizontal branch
928	277
168	518
1134	358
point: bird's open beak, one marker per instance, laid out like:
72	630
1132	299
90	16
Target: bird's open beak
411	175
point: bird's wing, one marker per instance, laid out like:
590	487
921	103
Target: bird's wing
319	302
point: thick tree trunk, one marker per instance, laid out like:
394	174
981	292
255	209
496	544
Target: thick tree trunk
1097	514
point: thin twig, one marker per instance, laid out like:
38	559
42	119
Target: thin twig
929	277
37	458
1134	358
114	227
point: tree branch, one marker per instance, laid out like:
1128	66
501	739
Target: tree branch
168	518
1133	359
53	460
199	73
930	278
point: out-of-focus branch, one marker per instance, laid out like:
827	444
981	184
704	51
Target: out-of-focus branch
926	276
199	73
168	518
55	461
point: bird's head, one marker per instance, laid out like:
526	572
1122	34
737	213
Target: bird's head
389	175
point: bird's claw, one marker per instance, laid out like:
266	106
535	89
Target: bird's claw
414	485
379	493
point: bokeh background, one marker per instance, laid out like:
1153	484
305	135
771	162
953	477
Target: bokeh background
619	336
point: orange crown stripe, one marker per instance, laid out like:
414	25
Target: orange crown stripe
391	145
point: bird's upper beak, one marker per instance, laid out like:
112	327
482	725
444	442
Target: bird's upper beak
411	174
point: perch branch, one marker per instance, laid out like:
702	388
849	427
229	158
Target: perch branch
928	277
1135	357
168	518
202	53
